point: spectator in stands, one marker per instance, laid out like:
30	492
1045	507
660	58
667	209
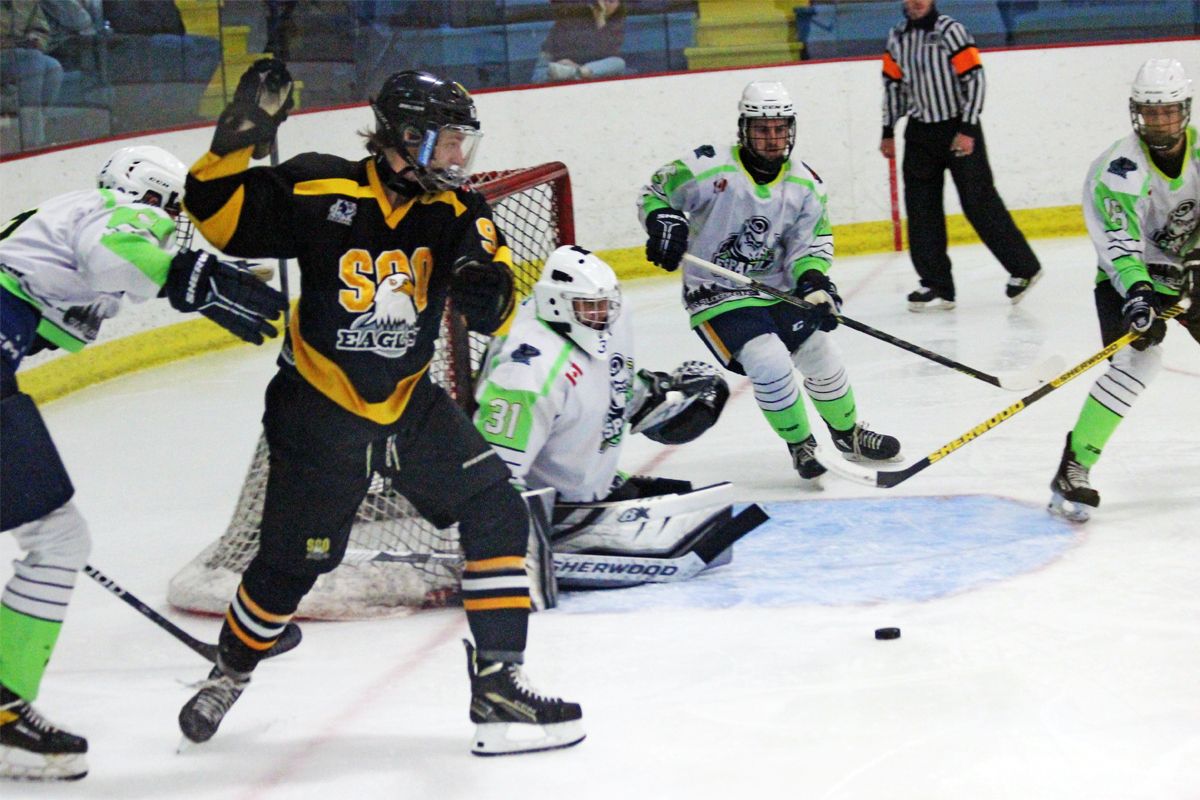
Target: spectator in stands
173	54
584	42
30	76
933	75
77	41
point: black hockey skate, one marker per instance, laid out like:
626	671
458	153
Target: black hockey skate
861	444
924	299
1072	495
804	459
31	749
510	717
201	716
1016	288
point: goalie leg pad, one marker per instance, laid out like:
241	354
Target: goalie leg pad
32	473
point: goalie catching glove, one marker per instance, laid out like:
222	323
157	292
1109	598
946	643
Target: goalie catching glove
231	297
483	293
677	408
260	104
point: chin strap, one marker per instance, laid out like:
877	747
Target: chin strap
396	181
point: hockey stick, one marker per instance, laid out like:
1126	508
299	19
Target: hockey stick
283	268
289	639
886	479
1016	382
897	233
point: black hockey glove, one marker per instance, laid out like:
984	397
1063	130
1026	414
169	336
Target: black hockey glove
260	104
667	232
1138	315
815	288
483	293
231	297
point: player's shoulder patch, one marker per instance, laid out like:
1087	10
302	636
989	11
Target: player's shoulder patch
1122	166
705	151
525	353
812	172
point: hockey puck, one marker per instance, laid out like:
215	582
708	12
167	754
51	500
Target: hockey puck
887	633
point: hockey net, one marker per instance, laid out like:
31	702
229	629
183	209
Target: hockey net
396	560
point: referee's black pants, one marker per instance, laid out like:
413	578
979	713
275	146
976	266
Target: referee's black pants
927	156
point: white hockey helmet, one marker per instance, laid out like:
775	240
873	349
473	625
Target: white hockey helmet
578	296
152	176
766	100
1160	103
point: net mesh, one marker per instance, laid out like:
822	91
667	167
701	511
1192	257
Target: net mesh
396	560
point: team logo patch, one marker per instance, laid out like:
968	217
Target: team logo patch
342	212
525	353
705	151
1122	167
390	327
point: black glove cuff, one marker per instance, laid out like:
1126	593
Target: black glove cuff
228	139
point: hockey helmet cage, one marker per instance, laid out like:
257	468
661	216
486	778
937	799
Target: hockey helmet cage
766	100
1160	82
700	379
578	296
149	175
414	112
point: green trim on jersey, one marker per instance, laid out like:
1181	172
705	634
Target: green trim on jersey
45	328
761	190
741	302
132	246
508	420
28	644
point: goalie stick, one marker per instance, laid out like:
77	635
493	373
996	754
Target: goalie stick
288	640
886	479
1015	382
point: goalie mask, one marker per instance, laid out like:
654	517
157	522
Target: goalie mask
153	177
1160	103
766	124
578	296
431	123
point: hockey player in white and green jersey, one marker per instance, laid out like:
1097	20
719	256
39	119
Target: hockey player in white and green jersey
1141	202
65	267
754	209
560	392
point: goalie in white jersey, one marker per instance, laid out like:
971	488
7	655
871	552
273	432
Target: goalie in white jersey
65	267
560	392
754	209
1141	202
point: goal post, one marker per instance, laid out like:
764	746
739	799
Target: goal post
396	561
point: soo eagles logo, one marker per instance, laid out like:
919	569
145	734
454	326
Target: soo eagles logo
388	309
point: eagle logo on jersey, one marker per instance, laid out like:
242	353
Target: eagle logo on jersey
390	327
747	251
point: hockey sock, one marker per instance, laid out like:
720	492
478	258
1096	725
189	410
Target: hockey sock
27	643
840	414
1092	431
791	423
496	599
249	631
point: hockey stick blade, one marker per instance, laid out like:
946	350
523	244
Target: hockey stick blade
886	479
288	640
1033	377
853	324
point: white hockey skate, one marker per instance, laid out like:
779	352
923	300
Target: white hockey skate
1072	496
510	717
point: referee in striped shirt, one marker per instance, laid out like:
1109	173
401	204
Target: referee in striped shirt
932	74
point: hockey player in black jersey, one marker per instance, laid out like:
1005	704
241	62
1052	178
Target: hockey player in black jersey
382	244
